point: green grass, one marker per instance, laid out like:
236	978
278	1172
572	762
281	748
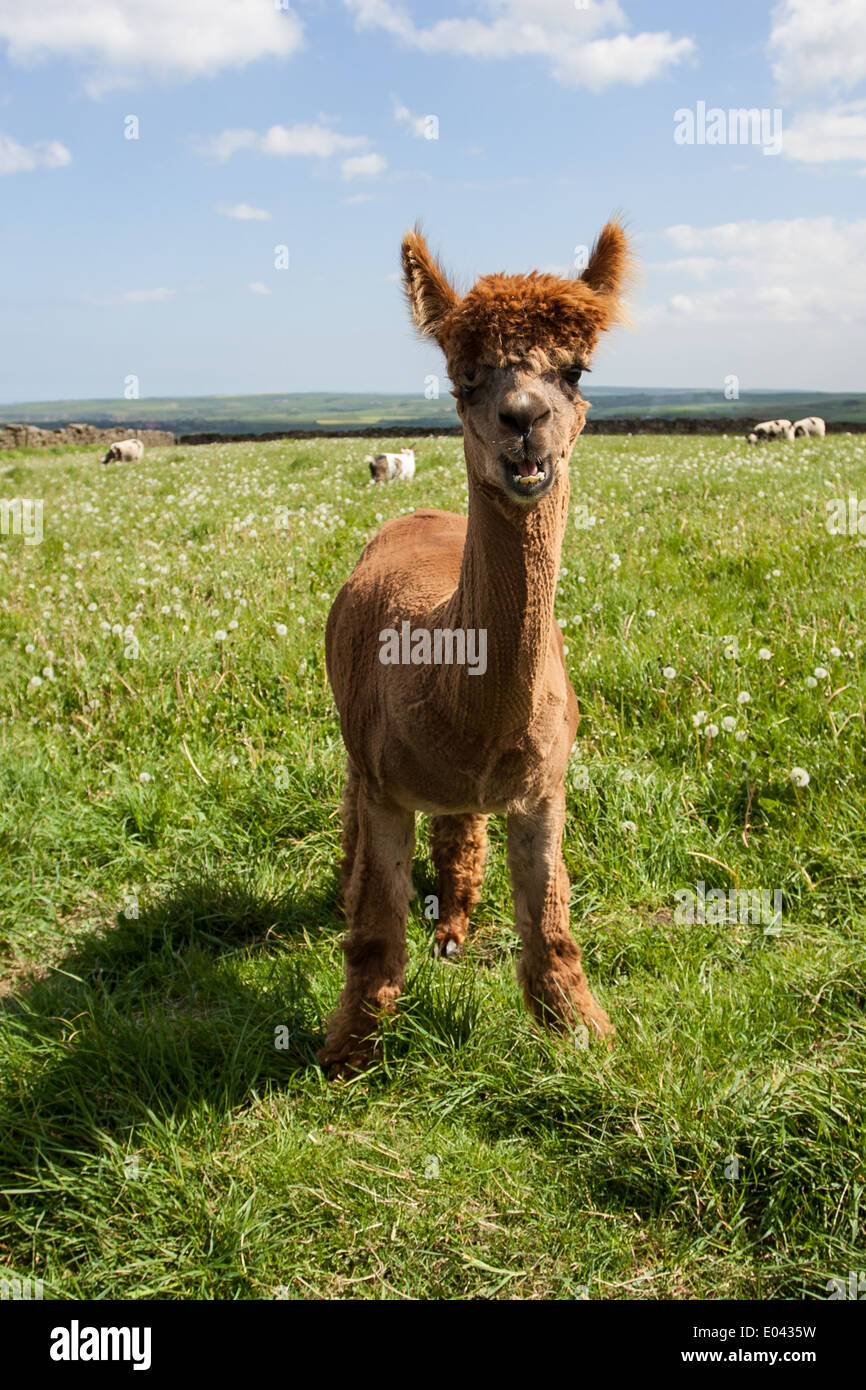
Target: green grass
168	839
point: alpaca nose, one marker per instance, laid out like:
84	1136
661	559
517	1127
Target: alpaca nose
520	410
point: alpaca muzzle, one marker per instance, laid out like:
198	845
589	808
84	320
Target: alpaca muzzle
527	477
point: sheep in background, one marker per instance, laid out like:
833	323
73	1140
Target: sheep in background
385	467
771	429
125	451
812	427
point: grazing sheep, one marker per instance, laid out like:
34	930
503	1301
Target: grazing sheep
771	429
125	451
812	427
385	467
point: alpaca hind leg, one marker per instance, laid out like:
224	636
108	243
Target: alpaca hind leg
349	840
459	846
550	970
377	906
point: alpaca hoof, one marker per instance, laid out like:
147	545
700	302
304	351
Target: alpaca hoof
448	948
562	1002
598	1024
597	1029
590	1024
341	1064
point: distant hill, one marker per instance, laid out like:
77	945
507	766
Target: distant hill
260	414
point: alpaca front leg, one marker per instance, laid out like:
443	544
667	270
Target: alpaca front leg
459	848
550	971
377	906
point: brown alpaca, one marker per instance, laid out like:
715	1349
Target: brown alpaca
450	740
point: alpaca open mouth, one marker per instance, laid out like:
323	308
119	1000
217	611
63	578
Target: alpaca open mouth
526	478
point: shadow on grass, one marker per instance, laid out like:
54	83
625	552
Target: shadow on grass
206	996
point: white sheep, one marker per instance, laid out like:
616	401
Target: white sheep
125	451
771	429
385	467
812	427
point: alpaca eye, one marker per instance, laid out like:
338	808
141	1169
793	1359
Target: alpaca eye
468	388
573	374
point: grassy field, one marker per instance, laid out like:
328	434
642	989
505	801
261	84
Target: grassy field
171	767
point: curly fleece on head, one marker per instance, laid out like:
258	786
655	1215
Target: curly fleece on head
507	318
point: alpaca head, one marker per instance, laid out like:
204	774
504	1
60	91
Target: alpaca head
516	346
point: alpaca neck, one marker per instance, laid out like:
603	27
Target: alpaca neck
507	588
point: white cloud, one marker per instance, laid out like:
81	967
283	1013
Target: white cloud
403	116
317	140
794	271
242	212
121	42
819	137
698	267
818	45
630	58
311	140
21	159
359	198
227	143
258	287
363	166
554	30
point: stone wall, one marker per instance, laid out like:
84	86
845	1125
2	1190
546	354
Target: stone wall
653	424
75	436
92	436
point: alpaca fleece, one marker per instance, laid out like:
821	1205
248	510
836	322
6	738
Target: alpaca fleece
436	738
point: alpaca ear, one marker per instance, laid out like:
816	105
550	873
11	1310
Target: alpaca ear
610	262
430	294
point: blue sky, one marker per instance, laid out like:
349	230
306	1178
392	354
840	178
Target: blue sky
261	125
